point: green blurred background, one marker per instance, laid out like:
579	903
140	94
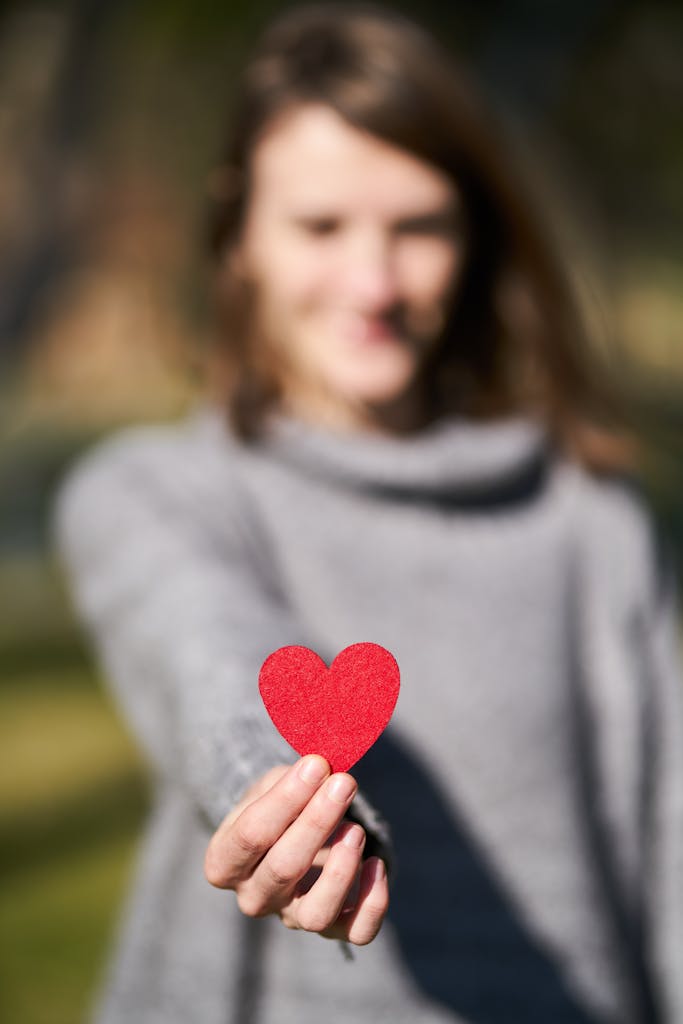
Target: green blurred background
110	117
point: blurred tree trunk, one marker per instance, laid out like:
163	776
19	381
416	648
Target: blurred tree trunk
47	105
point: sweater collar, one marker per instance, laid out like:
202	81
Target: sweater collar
454	458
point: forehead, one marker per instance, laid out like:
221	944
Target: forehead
312	157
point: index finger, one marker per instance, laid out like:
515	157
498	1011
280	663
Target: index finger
240	843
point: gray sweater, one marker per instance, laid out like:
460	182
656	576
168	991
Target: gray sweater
532	775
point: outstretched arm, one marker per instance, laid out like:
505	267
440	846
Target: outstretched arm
164	573
174	583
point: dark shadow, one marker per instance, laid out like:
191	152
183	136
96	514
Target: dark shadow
458	932
489	496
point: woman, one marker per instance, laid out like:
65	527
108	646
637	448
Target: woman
412	458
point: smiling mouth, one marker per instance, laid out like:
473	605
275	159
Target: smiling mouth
369	330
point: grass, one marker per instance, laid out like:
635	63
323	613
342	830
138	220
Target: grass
55	927
57	735
72	799
72	786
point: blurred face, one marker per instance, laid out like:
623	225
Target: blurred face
353	248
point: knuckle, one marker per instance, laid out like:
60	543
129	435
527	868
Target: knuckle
214	871
314	919
280	873
289	921
373	915
337	873
364	936
247	836
377	908
320	820
219	869
252	903
293	794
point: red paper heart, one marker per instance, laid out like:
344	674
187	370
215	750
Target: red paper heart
338	711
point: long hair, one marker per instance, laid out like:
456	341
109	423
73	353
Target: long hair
513	342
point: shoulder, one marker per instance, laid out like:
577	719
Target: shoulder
614	509
170	470
159	451
197	451
618	537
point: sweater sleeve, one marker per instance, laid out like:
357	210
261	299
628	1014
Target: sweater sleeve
664	837
631	654
166	574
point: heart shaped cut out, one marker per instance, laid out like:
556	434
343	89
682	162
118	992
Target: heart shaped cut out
338	712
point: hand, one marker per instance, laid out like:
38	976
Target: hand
285	850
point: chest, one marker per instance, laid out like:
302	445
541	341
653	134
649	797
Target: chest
473	603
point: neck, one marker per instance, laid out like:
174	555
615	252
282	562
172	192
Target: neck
399	417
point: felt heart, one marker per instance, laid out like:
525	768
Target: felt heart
338	711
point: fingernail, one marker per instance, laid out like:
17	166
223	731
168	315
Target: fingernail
354	838
341	788
379	871
313	769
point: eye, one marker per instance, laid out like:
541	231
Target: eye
435	225
318	227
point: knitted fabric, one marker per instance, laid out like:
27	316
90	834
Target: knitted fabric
532	774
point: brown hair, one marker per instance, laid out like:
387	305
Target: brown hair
513	341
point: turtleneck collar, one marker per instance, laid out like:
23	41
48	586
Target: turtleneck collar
452	458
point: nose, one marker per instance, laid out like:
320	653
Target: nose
371	275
